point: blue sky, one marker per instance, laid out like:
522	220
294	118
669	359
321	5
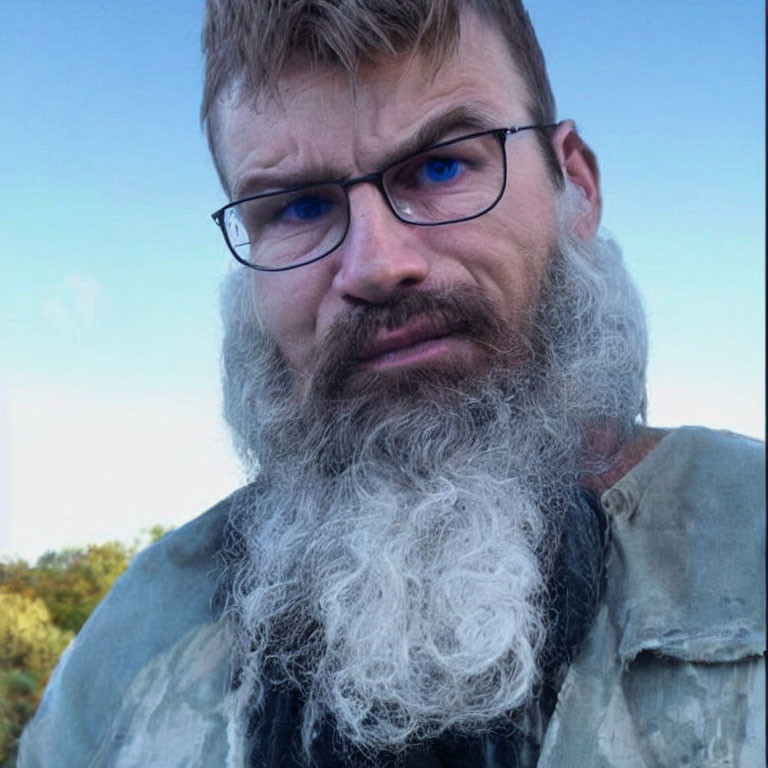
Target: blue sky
109	411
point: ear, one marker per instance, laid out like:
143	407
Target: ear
579	165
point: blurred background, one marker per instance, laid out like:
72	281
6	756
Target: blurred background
109	329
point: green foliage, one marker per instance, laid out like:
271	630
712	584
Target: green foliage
70	582
156	532
29	641
42	607
30	644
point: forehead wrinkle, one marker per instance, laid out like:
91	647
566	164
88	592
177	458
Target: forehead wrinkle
429	109
465	117
287	160
280	152
350	126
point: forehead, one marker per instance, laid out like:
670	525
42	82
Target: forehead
319	121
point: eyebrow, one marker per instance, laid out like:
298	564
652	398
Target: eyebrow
465	117
257	182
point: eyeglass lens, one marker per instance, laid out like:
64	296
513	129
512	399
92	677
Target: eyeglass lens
288	228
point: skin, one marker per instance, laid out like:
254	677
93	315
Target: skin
317	126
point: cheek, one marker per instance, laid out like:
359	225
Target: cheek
289	306
286	310
505	252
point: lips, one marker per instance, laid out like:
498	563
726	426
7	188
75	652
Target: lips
418	331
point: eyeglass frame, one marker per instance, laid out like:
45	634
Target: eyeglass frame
377	179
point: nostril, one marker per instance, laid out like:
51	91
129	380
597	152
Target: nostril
356	301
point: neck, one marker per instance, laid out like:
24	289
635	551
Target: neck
623	458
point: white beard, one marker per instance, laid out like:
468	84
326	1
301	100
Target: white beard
395	559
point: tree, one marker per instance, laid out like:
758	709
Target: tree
72	582
41	609
30	644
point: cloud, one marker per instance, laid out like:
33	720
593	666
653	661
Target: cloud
75	305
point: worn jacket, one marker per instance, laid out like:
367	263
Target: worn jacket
670	674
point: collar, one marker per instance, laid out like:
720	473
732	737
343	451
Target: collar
686	563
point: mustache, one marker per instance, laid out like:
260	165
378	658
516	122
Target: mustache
464	311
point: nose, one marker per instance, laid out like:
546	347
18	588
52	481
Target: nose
379	257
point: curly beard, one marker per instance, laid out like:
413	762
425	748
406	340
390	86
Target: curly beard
395	561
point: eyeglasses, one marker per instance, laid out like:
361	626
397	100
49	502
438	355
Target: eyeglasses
453	181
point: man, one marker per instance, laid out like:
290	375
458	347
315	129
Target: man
461	545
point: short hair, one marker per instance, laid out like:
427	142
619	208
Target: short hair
251	42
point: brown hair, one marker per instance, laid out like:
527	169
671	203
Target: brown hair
252	40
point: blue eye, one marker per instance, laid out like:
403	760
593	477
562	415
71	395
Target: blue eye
306	208
441	169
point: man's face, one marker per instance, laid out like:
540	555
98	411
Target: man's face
318	129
